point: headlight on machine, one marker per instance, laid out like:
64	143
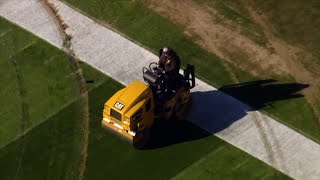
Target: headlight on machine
126	121
106	107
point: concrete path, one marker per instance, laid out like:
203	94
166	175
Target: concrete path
216	112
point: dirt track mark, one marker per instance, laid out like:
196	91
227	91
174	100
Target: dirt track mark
264	136
298	154
199	23
76	69
282	161
25	118
289	54
4	33
231	73
270	141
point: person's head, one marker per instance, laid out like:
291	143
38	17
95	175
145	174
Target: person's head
166	52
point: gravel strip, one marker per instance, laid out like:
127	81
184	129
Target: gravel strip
216	112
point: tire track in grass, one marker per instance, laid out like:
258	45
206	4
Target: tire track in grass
276	145
77	70
258	120
25	118
270	149
4	33
299	154
231	73
288	53
262	131
264	136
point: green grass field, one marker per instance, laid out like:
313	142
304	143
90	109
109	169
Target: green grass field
51	150
295	21
36	81
240	17
143	25
286	19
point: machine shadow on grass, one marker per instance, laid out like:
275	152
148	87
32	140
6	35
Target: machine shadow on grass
173	132
214	111
261	94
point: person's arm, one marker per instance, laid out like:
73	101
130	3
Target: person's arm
172	65
178	65
161	62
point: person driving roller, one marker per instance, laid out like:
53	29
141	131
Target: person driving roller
169	61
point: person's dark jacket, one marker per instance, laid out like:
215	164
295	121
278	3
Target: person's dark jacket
173	66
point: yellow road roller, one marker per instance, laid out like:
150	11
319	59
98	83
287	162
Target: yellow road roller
133	110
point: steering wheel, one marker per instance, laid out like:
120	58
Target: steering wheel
153	68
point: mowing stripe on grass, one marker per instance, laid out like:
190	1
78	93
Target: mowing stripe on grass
44	87
77	71
25	118
204	158
53	159
51	115
215	111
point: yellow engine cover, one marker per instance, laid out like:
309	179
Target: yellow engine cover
125	104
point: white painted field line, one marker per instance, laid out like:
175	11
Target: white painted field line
216	112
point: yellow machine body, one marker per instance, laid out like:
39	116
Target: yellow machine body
130	110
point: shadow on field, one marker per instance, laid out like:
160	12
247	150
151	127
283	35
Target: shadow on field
174	132
261	94
214	111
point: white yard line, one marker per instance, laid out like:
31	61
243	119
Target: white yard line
216	112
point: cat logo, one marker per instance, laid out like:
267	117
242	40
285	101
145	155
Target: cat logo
118	105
